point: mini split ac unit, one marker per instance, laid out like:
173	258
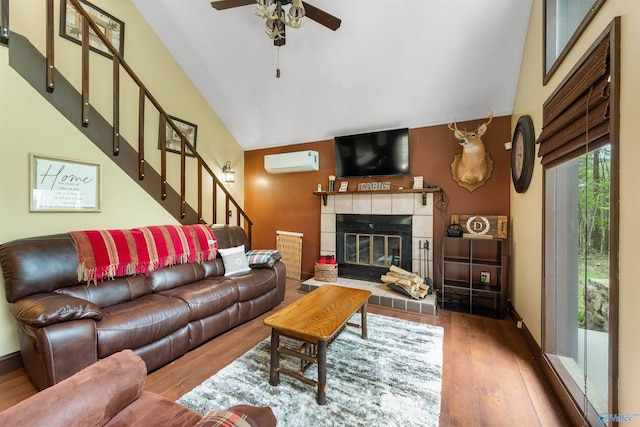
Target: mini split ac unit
299	161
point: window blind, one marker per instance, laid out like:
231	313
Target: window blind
577	113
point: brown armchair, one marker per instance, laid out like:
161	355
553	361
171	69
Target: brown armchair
110	393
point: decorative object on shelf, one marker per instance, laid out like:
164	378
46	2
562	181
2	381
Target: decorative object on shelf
455	230
473	167
418	182
173	142
343	186
482	226
374	186
523	154
485	277
228	174
64	185
332	182
71	27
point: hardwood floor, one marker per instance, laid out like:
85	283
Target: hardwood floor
489	375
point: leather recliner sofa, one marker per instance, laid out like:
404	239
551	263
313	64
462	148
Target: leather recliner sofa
65	326
111	393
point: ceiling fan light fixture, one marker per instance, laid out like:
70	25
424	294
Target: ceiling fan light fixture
274	29
295	15
267	9
272	10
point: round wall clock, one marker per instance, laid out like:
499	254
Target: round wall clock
522	154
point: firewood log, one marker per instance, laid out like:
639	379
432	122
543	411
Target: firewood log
399	272
394	270
392	279
411	289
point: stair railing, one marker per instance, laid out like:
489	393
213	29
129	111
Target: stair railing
144	95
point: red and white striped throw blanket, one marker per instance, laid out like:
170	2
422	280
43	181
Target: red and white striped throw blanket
115	253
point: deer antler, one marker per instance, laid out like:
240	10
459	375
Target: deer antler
490	116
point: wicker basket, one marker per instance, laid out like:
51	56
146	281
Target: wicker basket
326	272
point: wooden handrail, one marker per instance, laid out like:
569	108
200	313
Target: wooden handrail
144	97
50	37
85	72
116	106
141	100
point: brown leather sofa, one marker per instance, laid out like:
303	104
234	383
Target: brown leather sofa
110	393
65	326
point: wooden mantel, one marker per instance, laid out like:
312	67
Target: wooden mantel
424	192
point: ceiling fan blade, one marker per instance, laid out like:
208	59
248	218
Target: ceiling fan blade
320	16
228	4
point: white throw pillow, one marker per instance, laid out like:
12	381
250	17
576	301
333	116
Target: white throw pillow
235	261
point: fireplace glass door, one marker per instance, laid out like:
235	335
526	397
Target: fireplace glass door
372	249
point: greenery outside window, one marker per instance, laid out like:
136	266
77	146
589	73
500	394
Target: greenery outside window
577	277
564	22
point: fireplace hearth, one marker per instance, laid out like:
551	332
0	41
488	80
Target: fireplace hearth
367	244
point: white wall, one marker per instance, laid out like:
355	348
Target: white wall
526	209
28	124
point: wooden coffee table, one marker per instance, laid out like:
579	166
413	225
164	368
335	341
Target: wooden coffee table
316	319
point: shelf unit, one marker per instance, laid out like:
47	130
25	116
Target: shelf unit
464	263
424	191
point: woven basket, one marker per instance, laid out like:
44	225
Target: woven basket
326	272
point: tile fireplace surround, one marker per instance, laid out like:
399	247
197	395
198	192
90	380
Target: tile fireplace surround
382	204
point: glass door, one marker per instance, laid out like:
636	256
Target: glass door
576	295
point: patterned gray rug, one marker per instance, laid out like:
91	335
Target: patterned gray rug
392	379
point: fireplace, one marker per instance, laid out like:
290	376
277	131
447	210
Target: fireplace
381	209
367	245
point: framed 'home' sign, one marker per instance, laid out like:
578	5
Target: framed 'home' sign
64	185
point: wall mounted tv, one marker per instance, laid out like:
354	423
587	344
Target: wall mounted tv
382	153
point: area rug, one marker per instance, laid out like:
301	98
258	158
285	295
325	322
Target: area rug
392	379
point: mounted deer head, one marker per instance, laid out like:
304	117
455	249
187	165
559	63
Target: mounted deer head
473	167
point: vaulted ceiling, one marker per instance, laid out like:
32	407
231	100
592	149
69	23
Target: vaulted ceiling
392	63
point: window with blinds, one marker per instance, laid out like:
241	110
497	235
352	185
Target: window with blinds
577	113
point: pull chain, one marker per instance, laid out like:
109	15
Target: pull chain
278	69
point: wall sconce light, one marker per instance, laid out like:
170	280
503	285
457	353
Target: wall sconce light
228	174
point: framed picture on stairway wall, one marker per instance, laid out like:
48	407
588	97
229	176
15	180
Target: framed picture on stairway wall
71	27
172	138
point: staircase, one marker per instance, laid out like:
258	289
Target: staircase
75	105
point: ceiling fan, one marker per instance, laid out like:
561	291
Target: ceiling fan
277	20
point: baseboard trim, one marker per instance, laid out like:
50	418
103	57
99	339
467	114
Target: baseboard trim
10	362
570	408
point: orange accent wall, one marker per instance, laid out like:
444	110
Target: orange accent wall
286	201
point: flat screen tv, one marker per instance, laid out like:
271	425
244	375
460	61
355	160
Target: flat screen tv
382	153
